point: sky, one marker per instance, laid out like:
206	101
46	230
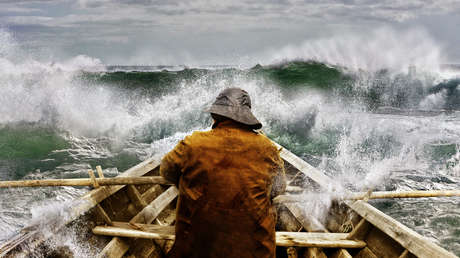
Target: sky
207	32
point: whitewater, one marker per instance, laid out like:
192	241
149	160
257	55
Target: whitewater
380	112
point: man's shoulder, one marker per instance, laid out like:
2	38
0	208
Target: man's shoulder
196	136
199	134
258	138
263	138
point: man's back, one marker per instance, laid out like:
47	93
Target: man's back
226	177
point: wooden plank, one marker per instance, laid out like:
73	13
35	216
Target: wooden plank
135	197
294	189
99	171
404	194
104	215
304	239
373	195
92	181
365	253
145	227
310	223
134	233
116	248
146	248
415	243
158	247
92	177
382	245
341	253
146	216
95	196
310	171
85	203
17	240
292	218
314	253
361	230
152	193
151	211
408	238
149	248
286	221
404	254
325	240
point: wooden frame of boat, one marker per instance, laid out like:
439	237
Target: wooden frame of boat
136	221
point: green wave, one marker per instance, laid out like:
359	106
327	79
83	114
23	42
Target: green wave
373	89
309	74
27	147
29	142
288	75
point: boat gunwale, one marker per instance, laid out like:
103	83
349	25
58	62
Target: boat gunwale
406	237
83	204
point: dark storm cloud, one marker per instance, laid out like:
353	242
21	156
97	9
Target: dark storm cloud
194	25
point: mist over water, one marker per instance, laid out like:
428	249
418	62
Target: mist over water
372	112
384	48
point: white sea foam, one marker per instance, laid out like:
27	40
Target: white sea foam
384	48
369	146
434	101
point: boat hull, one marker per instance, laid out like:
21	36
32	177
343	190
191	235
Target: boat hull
137	221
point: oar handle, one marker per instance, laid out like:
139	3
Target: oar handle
86	181
373	195
405	194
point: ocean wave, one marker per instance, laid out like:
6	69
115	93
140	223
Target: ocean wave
359	126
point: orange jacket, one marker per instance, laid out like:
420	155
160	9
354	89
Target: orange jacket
226	178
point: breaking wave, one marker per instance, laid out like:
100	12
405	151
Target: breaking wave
365	117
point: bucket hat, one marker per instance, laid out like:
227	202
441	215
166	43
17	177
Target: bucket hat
235	104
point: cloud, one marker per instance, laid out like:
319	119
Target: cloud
192	26
11	10
27	20
277	12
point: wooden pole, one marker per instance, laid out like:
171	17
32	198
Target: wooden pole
373	195
87	182
406	194
93	178
303	239
99	171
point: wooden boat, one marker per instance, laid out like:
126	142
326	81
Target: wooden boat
137	221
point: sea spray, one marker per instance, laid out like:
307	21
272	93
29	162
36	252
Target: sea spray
116	119
453	163
383	48
48	221
40	209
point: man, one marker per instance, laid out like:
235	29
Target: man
227	178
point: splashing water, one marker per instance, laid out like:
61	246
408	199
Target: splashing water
384	48
90	116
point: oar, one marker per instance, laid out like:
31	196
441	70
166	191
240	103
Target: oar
86	182
373	195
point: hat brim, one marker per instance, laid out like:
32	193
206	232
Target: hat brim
239	114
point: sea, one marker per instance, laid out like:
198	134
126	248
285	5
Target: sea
381	118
